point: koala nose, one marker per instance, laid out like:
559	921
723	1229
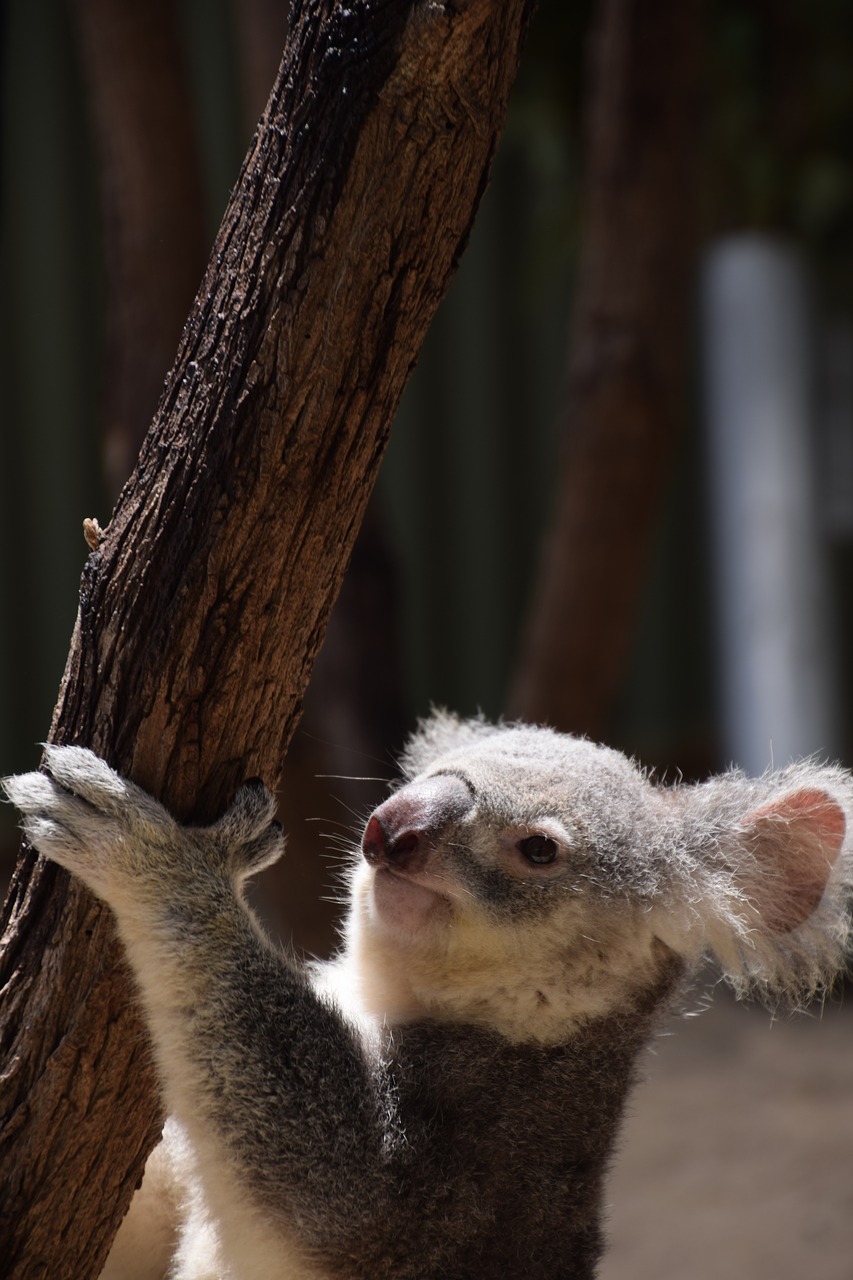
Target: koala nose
402	830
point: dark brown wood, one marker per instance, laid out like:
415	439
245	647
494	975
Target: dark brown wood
202	610
628	350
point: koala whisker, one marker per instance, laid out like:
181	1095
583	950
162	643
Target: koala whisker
353	777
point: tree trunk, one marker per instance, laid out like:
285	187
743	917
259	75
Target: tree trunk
202	611
628	357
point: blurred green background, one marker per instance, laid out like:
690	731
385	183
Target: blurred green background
467	489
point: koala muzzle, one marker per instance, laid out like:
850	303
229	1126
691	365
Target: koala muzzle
401	832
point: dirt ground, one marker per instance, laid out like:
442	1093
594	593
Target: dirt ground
737	1157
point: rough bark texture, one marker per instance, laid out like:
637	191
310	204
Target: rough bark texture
152	204
202	612
628	353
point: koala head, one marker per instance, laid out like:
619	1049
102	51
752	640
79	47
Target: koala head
529	880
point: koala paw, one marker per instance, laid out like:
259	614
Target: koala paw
247	834
118	839
85	817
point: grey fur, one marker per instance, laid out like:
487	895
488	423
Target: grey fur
443	1099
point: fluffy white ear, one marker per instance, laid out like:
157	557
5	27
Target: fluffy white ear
439	735
765	879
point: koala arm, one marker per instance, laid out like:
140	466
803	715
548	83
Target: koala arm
262	1071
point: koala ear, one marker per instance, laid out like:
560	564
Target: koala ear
795	840
765	879
439	735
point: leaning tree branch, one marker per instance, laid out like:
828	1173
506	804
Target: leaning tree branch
201	613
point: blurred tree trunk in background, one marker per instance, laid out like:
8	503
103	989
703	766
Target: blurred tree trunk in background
153	216
629	349
202	612
261	29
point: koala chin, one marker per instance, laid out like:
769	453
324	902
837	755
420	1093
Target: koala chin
441	1100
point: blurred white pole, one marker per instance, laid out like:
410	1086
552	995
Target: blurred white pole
774	644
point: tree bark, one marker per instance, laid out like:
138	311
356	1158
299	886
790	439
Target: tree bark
628	357
201	613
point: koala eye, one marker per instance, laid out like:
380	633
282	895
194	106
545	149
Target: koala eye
540	850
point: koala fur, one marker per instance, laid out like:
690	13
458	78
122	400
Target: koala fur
442	1098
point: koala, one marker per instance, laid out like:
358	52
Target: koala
441	1099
